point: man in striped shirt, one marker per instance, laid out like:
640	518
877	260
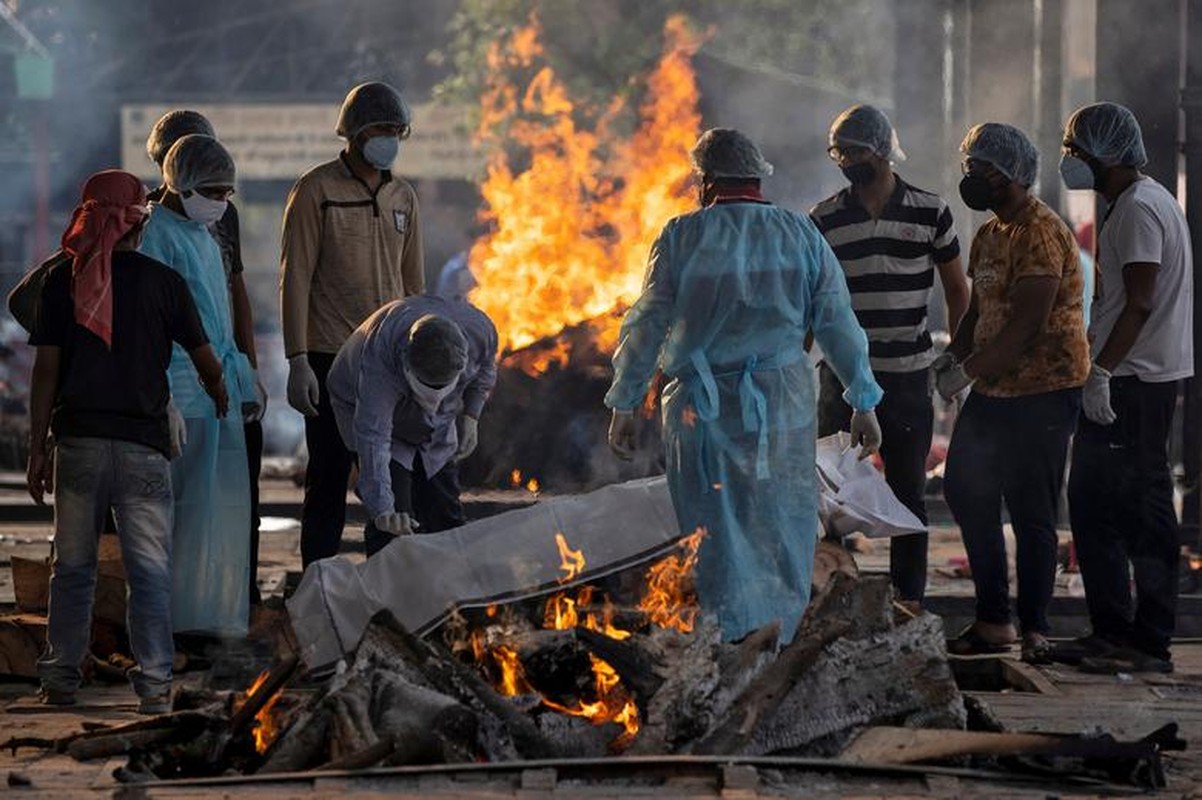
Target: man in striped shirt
890	238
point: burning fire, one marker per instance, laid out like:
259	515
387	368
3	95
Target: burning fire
667	587
265	729
667	603
532	485
570	230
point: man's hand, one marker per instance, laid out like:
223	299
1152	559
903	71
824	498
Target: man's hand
950	378
39	476
397	523
220	396
1095	398
304	392
865	432
177	428
259	408
469	435
622	434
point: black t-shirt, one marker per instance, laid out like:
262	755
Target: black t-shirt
119	393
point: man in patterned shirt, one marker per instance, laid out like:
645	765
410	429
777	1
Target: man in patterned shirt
1023	350
890	238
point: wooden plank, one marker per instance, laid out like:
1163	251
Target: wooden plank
889	745
1027	678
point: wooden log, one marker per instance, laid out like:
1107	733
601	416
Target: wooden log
351	729
773	685
277	678
303	745
637	661
367	757
889	745
31	584
556	663
426	726
890	677
21	639
453	678
122	738
742	663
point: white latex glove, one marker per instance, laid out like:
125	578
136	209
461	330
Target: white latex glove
469	436
622	434
304	393
1095	400
397	523
253	412
179	431
865	432
950	378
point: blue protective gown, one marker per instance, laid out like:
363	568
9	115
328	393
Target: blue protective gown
211	536
729	295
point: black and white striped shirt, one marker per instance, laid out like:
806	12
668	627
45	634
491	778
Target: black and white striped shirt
890	267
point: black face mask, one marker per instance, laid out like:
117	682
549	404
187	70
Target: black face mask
977	192
859	174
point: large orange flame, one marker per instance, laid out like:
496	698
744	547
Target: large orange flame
571	228
666	600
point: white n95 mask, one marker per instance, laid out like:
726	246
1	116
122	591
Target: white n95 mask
203	209
428	397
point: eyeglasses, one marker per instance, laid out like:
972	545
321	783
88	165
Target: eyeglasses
217	193
847	152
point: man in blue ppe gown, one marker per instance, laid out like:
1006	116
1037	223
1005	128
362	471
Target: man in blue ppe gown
730	292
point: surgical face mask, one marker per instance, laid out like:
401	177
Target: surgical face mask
428	397
1076	172
203	209
977	192
381	151
861	173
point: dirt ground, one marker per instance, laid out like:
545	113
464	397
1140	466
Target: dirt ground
1067	701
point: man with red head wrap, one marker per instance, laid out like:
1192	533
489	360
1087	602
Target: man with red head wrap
104	334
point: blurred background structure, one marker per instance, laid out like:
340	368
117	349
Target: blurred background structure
82	81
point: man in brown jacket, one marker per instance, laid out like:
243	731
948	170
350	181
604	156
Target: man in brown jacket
351	244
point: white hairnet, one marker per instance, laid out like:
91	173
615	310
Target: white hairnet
196	161
170	127
866	126
1108	132
371	104
437	350
727	153
1005	147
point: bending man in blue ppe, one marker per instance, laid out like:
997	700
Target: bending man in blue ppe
730	292
407	389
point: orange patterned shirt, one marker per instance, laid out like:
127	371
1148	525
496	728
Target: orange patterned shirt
1035	243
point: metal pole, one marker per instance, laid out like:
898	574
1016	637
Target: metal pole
1191	104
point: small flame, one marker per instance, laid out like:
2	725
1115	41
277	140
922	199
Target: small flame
689	417
513	675
665	601
533	486
570	561
515	477
266	727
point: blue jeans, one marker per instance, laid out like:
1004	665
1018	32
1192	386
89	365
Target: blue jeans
90	475
1012	449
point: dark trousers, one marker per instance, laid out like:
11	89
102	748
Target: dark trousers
432	501
906	416
1012	449
1120	495
254	465
329	470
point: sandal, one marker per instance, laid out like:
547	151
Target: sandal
1038	651
971	643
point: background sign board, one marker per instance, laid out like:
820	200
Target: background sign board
280	141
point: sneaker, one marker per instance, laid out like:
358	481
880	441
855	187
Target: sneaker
1072	651
155	704
1125	659
48	696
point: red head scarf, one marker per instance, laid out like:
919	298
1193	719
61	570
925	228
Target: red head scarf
112	203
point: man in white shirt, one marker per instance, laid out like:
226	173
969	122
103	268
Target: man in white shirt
1141	342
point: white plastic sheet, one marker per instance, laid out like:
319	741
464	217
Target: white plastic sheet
514	555
853	495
